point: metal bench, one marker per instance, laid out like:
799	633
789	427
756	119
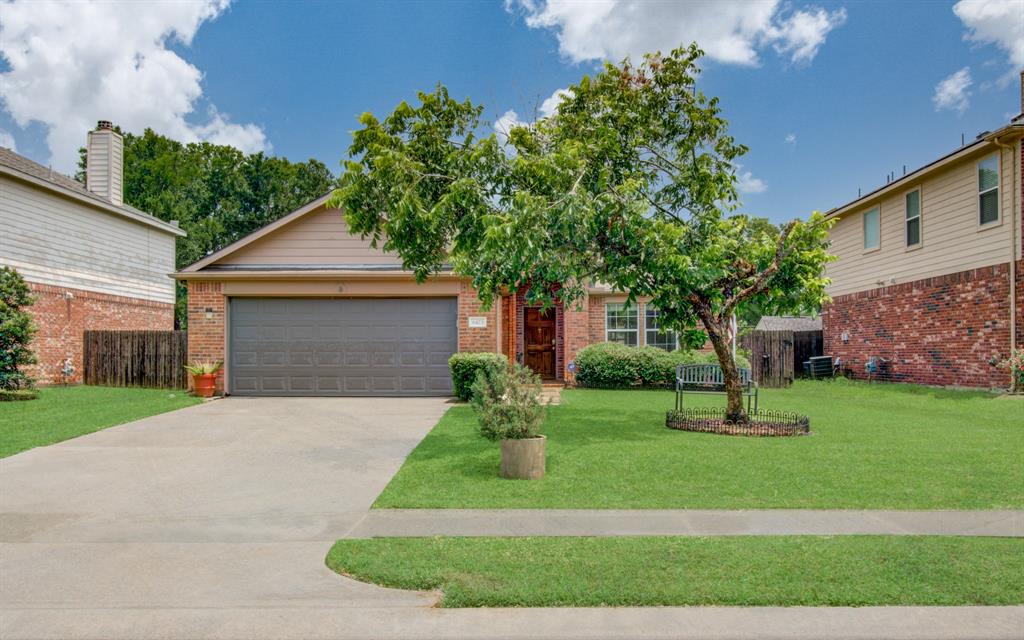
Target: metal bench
707	378
820	367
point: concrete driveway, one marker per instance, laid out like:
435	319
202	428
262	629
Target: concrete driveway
230	504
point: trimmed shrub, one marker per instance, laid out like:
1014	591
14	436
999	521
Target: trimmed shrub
611	364
464	367
16	331
507	403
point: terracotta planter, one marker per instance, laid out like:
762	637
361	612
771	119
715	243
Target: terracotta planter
523	459
205	384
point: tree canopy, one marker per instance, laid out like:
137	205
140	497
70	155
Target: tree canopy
631	182
217	193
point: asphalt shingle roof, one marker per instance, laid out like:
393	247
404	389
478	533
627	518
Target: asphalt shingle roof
21	164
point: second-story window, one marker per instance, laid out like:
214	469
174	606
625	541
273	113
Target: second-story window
988	190
620	323
913	201
872	239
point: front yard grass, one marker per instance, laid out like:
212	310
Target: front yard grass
655	571
61	413
874	447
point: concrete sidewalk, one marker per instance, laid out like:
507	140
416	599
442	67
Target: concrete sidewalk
669	522
680	623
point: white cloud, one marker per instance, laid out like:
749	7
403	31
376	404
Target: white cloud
952	92
801	34
7	140
549	106
791	138
747	183
503	125
729	31
998	22
71	64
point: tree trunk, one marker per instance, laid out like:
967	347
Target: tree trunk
734	411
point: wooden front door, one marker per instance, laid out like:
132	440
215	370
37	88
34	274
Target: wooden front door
539	338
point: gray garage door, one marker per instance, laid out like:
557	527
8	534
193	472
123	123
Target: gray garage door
341	347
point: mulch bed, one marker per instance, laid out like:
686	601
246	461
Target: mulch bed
760	424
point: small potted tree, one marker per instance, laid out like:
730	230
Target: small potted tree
204	377
508	408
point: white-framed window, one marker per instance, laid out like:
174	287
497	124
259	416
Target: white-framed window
988	190
913	218
872	230
653	335
620	323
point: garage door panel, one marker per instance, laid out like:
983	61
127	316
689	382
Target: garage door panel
282	346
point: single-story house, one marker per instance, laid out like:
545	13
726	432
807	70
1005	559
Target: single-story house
304	307
90	260
928	286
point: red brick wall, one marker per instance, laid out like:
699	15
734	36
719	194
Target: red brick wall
577	333
62	314
206	334
476	338
939	331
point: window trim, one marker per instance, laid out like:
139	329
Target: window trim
635	308
978	192
863	229
919	218
675	334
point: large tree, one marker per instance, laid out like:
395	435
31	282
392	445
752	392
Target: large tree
631	183
216	192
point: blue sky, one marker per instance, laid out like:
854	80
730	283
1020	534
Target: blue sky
828	96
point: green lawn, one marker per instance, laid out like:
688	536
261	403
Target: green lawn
874	446
651	571
61	413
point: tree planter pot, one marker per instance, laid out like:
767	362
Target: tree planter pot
205	384
523	459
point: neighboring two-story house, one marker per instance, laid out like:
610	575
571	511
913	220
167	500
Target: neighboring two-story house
91	261
929	282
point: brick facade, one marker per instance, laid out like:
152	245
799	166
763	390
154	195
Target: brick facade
575	326
206	325
62	314
476	338
945	330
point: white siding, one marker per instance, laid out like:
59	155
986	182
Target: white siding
951	239
55	240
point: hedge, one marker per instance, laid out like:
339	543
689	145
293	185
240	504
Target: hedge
611	364
464	367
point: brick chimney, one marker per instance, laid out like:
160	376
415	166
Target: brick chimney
104	158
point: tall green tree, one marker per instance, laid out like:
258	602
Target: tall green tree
631	183
16	331
217	193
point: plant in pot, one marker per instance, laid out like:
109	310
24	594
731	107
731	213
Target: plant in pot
204	377
508	408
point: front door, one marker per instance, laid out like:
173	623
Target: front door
539	334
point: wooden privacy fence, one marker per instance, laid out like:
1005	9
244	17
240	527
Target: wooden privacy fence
776	357
136	358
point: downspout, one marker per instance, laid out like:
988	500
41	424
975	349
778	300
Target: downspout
1014	158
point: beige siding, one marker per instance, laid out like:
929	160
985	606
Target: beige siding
319	237
951	239
55	240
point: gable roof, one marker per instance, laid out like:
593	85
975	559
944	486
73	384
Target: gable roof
19	167
257	234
